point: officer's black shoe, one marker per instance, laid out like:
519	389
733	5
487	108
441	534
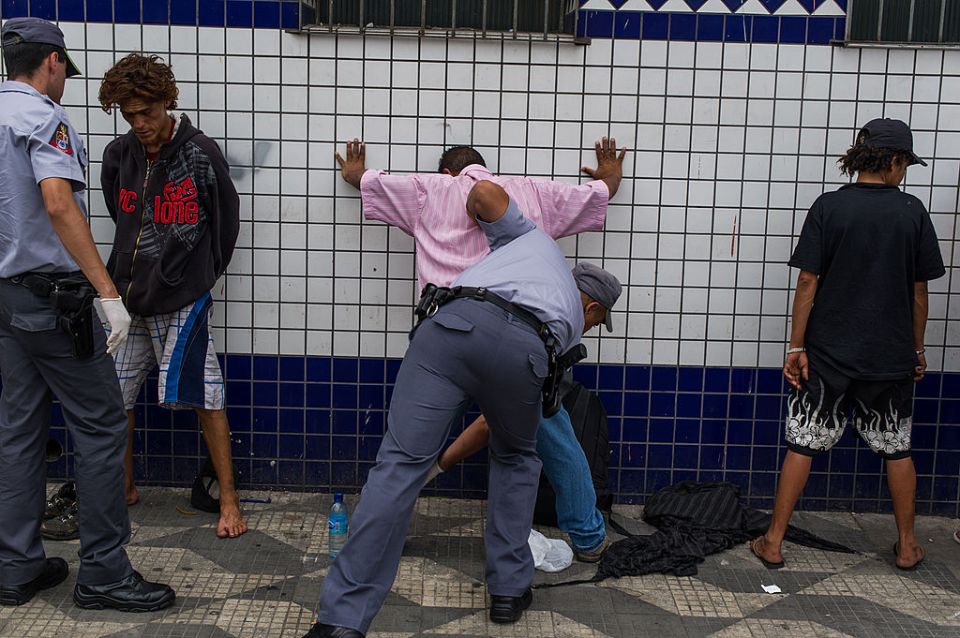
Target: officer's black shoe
65	527
54	573
507	609
332	631
132	593
61	500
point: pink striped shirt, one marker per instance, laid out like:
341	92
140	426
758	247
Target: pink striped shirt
431	207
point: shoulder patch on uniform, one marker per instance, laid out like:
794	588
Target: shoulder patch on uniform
61	139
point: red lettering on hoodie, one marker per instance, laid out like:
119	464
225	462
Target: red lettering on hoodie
178	205
127	200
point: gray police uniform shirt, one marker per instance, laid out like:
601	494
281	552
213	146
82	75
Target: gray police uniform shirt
37	142
526	267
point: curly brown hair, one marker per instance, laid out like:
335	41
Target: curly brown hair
137	76
870	159
864	158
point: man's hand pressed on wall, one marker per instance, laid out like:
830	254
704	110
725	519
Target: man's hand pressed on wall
354	166
609	164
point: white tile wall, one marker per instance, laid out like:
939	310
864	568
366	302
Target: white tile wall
729	143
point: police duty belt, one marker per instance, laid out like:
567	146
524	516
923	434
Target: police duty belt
434	296
71	295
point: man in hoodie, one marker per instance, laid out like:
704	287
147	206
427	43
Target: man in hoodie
168	188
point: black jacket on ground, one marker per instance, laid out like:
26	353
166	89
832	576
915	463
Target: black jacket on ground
693	521
177	218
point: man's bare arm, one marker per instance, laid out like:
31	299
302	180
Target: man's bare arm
487	201
797	367
71	226
473	439
921	307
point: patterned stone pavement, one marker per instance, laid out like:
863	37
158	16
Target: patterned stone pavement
266	584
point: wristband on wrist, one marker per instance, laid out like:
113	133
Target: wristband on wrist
796	350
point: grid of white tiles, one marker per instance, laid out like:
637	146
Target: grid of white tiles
729	143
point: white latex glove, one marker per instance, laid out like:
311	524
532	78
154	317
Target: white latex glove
117	316
435	471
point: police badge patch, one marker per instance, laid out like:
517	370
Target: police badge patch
61	139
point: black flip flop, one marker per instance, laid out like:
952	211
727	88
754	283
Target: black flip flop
896	554
766	563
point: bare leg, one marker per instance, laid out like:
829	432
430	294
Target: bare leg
902	481
216	432
133	497
793	478
470	441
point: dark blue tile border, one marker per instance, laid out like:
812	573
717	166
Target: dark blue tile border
154	12
710	27
268	14
46	9
317	422
287	14
97	10
184	13
126	11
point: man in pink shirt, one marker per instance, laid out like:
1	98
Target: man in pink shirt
429	206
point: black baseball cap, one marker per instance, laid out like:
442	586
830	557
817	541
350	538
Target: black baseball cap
889	133
600	286
20	30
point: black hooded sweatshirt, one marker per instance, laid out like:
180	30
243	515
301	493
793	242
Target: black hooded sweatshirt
177	216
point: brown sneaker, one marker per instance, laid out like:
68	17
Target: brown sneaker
65	527
593	555
61	500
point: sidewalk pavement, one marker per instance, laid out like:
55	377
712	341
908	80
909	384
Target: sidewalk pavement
266	584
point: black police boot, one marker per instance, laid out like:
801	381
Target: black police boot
132	593
507	609
331	631
54	572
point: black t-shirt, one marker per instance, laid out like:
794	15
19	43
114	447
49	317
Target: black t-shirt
869	244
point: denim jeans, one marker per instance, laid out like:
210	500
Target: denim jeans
566	467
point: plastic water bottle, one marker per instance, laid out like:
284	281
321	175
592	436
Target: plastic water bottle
337	525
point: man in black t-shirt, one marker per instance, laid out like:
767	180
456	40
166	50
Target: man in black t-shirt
865	255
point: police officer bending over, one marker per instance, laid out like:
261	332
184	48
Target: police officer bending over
50	273
490	339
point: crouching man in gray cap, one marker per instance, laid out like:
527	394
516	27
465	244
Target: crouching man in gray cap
50	275
564	462
489	339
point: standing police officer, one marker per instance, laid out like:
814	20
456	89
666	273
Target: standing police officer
48	344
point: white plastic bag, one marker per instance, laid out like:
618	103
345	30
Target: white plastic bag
549	555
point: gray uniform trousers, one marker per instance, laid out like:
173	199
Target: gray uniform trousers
36	363
468	351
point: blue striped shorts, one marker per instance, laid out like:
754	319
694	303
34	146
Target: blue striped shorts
181	343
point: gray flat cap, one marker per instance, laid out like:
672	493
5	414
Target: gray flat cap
600	286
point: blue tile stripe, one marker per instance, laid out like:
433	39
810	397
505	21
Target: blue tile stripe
265	14
633	25
710	27
317	422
